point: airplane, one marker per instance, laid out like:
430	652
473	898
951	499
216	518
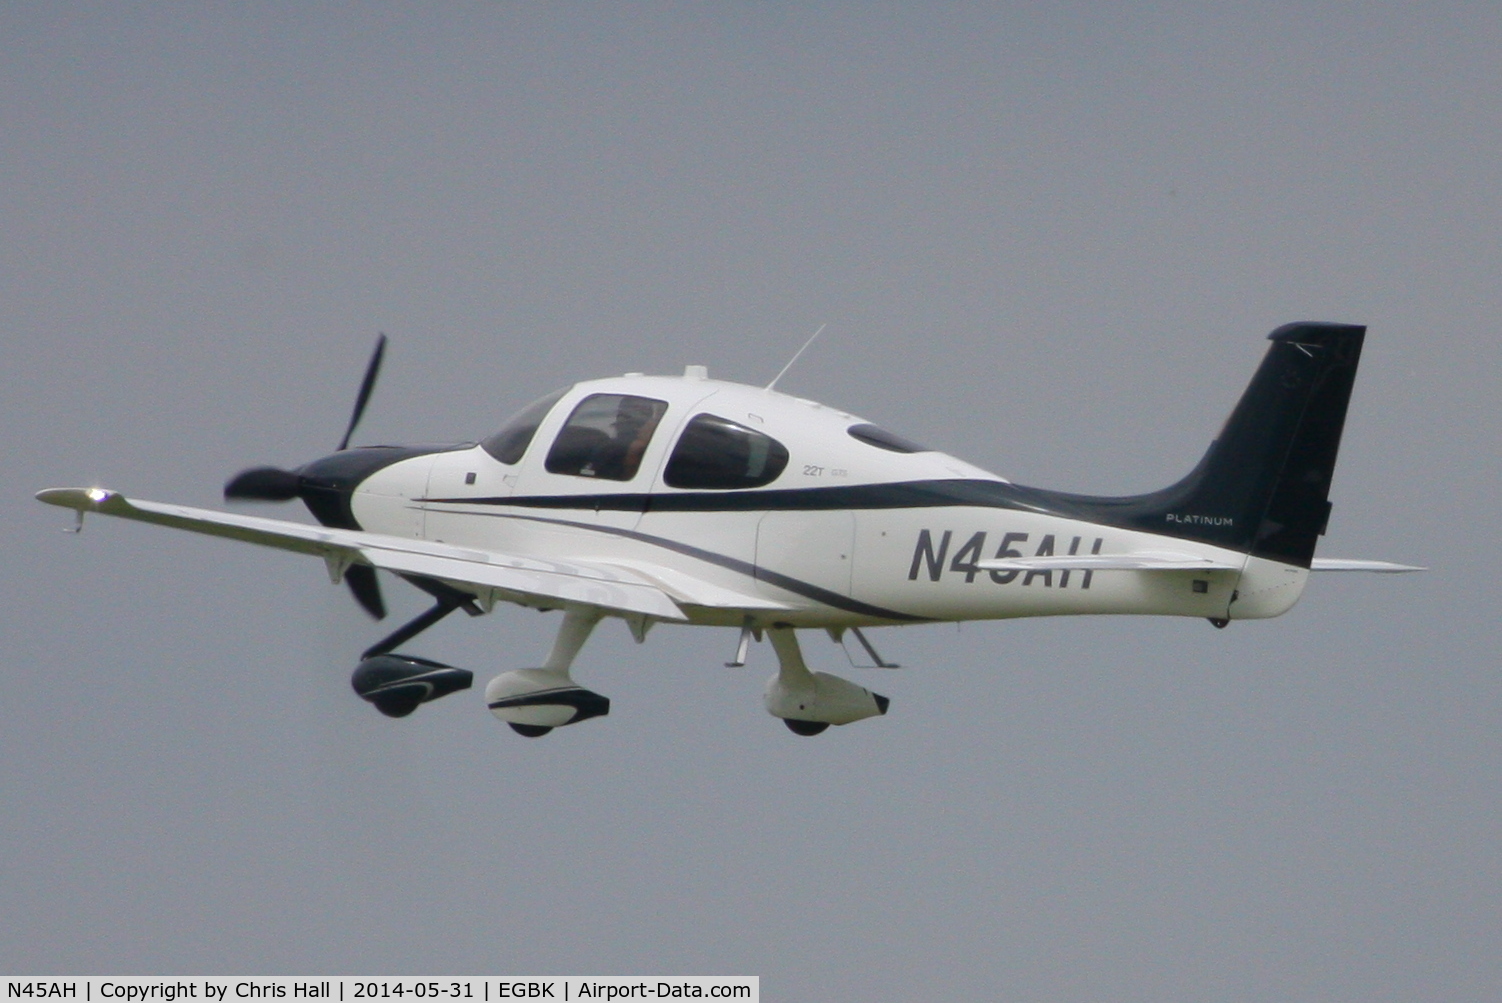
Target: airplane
682	499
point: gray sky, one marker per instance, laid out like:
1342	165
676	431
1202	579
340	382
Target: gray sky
1049	240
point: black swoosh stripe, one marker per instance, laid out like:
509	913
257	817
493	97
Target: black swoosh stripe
904	494
793	585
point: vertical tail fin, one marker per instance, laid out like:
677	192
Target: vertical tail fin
1263	486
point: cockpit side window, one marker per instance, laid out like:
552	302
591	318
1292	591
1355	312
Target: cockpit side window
716	453
606	436
511	442
873	435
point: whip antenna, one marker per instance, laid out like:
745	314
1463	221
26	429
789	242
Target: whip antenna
794	359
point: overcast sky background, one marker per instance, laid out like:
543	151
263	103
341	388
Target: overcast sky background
1047	239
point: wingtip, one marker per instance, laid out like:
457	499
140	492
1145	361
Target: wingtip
81	499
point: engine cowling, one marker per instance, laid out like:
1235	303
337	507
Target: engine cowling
535	701
821	701
396	684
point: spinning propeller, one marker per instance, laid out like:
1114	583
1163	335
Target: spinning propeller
277	485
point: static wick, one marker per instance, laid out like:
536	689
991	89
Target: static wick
794	359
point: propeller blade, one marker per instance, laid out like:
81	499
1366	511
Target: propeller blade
262	484
366	589
371	372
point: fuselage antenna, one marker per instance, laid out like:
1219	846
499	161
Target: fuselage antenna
794	359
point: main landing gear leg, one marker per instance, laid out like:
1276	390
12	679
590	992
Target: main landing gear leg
578	623
808	702
794	681
535	701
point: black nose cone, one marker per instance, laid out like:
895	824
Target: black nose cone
327	484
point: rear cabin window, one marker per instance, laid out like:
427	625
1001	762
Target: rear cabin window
511	442
716	453
873	435
606	436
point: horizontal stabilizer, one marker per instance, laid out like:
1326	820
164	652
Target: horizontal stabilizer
1172	562
1112	562
1345	564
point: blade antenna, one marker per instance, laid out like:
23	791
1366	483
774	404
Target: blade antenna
371	372
794	359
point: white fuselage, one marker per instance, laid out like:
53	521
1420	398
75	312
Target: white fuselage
874	561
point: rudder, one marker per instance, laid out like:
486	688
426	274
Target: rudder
1263	486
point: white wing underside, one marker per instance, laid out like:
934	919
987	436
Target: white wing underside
627	587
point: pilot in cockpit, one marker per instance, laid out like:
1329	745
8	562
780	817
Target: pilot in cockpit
631	430
606	436
614	455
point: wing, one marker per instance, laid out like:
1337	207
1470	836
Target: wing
615	588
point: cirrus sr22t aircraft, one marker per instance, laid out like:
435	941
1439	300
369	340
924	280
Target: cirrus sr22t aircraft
689	500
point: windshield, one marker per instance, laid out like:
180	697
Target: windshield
511	442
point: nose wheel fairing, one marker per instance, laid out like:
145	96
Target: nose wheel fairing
396	684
